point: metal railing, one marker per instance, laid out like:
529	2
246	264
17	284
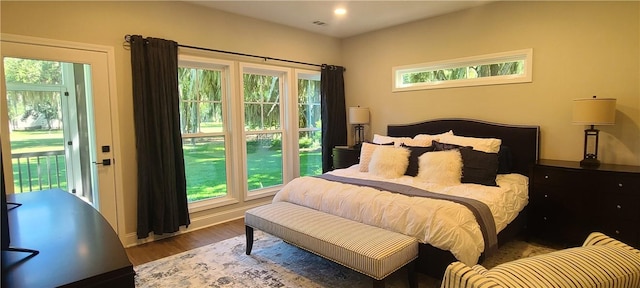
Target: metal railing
39	170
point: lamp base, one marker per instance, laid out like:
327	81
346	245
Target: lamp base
359	135
590	158
589	163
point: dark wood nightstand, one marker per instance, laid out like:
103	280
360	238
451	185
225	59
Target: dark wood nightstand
567	202
344	156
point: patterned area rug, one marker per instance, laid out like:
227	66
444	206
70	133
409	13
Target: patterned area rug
274	263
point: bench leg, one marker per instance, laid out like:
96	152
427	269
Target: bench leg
249	235
413	276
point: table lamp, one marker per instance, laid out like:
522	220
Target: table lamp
593	111
358	116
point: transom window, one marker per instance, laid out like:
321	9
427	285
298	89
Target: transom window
491	69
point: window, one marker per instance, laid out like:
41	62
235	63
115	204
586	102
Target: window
491	69
263	95
203	92
309	124
250	142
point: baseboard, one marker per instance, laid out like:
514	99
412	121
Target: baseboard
131	239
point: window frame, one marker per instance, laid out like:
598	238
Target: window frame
227	69
234	132
285	75
509	56
308	75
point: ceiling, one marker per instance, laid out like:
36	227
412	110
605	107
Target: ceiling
361	16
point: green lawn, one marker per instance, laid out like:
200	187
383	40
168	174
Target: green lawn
204	163
206	175
32	141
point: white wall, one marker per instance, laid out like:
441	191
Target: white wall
580	49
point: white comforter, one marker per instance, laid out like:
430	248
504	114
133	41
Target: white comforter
443	224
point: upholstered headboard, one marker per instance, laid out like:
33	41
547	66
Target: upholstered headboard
522	140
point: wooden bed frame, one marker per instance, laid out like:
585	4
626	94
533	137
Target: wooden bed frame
523	142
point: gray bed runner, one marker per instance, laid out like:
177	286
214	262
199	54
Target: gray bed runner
480	210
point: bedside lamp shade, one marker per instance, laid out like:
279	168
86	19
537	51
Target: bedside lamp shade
358	116
593	111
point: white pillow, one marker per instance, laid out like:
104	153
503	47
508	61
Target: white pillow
366	151
442	167
381	139
389	161
398	141
428	137
417	142
489	145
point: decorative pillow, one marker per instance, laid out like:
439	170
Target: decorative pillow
389	162
366	151
442	167
505	162
415	153
489	145
479	167
429	137
437	146
398	141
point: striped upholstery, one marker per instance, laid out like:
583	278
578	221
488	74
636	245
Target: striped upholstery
601	262
369	250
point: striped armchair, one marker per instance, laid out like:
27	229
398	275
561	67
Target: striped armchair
600	262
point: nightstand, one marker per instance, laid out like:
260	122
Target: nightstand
567	202
344	156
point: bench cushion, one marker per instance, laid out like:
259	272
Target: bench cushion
373	251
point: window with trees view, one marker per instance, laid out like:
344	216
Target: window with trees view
309	124
253	139
45	136
499	68
262	90
204	133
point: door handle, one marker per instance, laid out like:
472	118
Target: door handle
105	162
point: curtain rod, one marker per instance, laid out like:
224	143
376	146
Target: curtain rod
127	38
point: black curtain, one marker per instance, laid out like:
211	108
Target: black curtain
334	112
162	191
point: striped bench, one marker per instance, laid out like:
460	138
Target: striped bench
372	251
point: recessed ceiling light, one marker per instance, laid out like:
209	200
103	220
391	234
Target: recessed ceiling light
340	11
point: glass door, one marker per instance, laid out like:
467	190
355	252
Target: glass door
57	108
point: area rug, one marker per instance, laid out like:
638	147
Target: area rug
274	263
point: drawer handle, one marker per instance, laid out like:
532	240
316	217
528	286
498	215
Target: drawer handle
547	177
617	231
544	218
546	196
619	206
620	185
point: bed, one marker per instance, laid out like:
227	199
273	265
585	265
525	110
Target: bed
447	231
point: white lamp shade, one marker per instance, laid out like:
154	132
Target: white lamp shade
594	111
358	115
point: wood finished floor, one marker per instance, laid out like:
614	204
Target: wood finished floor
173	245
